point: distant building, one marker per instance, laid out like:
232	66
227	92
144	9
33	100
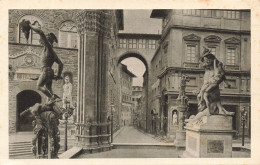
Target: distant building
227	34
137	93
127	107
142	47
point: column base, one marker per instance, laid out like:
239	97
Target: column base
96	149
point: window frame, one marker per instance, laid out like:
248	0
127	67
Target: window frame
142	43
69	34
226	14
151	45
122	43
232	48
187	52
32	33
233	43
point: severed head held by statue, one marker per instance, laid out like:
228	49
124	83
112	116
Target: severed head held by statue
209	96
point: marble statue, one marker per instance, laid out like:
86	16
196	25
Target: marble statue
209	96
174	118
67	92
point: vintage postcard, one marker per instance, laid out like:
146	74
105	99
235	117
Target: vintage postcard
113	82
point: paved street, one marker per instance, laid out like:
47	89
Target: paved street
133	153
131	135
145	142
144	147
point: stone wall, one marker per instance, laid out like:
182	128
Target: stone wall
51	20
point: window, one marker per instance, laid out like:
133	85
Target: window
33	37
231	14
212	42
151	44
206	13
216	13
191	53
231	57
191	12
192	42
68	35
122	43
141	43
132	43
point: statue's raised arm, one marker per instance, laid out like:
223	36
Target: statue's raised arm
49	56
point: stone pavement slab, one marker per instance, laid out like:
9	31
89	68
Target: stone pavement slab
132	135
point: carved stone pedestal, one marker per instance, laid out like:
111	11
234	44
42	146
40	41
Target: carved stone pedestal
211	137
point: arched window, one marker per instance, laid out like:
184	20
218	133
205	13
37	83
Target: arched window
68	35
33	37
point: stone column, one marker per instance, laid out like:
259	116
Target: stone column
91	124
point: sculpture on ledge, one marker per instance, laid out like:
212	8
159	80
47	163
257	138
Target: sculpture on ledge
209	96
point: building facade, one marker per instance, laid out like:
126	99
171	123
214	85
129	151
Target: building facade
127	107
185	32
86	46
25	60
137	93
142	47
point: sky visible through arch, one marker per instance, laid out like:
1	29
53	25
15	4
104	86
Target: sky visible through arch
137	67
139	21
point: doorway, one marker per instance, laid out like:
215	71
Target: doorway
26	99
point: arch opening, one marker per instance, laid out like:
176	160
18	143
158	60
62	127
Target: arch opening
26	99
136	55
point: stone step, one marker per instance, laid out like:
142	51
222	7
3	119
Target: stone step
20	143
22	157
20	150
20	146
26	155
20	153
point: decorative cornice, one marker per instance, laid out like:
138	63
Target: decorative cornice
212	38
191	37
27	51
232	40
94	21
199	70
165	33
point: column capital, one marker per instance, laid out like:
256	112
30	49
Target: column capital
94	21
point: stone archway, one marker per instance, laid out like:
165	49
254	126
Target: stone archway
26	99
147	116
133	54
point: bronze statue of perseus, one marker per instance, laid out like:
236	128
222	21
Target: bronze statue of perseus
49	56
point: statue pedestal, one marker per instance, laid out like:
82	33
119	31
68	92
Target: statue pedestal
180	139
171	135
211	137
